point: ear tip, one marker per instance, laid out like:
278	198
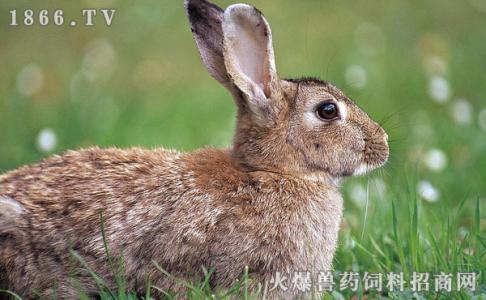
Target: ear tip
240	9
201	4
193	5
239	6
197	10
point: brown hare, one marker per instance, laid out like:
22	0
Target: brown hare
271	202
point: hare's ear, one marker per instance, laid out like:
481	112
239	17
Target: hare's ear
248	56
206	19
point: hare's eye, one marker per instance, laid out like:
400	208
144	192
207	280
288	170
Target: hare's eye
327	111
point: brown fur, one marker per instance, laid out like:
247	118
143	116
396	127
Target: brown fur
271	202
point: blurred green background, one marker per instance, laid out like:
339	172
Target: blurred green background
418	67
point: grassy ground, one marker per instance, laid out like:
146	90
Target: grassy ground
418	67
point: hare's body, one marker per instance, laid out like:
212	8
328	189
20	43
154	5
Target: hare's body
172	208
271	202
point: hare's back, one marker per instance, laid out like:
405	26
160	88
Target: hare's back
89	179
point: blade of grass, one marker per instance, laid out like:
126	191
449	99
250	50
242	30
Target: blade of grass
399	249
204	286
147	289
477	228
14	295
245	283
117	274
380	251
366	208
98	280
188	285
162	291
414	240
437	252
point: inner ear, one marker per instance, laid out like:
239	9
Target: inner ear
248	48
248	51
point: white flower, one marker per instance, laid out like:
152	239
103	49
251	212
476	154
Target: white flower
357	193
30	80
482	119
463	231
461	112
427	191
349	243
356	76
439	89
435	160
46	140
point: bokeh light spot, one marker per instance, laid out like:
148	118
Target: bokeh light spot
439	89
46	140
427	191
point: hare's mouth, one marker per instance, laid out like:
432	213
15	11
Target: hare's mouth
375	155
365	167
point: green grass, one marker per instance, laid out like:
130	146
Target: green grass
423	245
153	91
408	242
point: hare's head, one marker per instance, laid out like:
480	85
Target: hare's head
299	126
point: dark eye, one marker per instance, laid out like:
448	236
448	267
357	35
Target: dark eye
327	111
